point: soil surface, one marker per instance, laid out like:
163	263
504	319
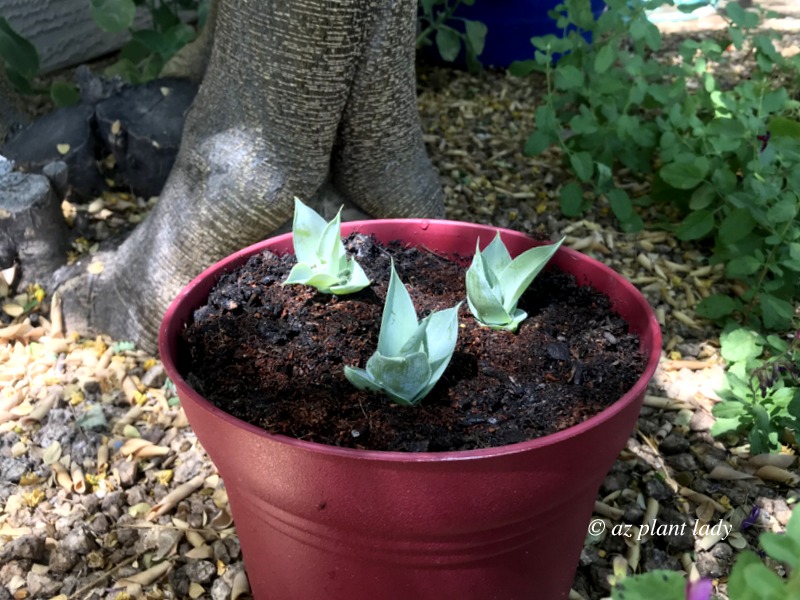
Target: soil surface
273	355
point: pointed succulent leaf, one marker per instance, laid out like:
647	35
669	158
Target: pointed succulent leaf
357	280
518	275
402	378
322	261
495	255
411	355
441	335
330	249
361	379
495	282
399	319
484	299
307	230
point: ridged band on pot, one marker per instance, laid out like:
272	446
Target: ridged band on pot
320	522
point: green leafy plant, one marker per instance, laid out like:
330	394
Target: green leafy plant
21	61
411	354
149	49
495	282
725	158
750	578
761	397
434	16
322	260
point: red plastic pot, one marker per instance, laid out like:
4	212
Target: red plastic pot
319	522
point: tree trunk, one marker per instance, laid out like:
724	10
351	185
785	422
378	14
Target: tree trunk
299	97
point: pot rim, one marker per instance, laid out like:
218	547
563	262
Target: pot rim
170	327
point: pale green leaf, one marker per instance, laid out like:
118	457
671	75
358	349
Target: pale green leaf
402	378
399	320
517	276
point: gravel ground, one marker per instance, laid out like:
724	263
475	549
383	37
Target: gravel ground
105	492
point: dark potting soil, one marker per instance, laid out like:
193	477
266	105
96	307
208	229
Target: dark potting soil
274	356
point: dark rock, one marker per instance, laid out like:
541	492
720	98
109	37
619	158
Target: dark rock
716	562
57	172
62	560
128	472
142	127
70	128
655	558
99	524
599	576
12	469
633	515
179	581
94	88
220	590
674	444
221	552
655	488
29	547
680	535
614	482
682	462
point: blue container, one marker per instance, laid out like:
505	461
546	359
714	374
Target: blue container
511	25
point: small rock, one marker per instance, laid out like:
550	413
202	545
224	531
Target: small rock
655	558
674	444
62	560
79	540
599	576
128	472
179	581
589	556
200	571
221	553
615	482
99	524
682	462
716	562
655	488
29	547
680	535
220	590
42	586
633	515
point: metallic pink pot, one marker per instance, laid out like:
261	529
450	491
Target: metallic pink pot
318	522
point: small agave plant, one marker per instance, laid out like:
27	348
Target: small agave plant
411	355
322	261
495	282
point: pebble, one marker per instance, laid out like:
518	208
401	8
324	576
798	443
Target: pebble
656	489
62	560
30	547
682	462
155	377
674	444
200	571
79	540
715	562
42	586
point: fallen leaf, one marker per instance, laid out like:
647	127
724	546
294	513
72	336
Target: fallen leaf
96	268
62	148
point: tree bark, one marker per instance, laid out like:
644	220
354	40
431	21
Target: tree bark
298	98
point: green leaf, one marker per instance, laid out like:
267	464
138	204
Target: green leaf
582	165
784	127
569	78
307	230
476	35
782	211
740	345
484	296
17	53
742	266
64	94
604	59
776	312
696	225
522	68
621	204
703	197
571	199
538	142
113	15
685	175
738	586
716	306
655	585
735	226
448	42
